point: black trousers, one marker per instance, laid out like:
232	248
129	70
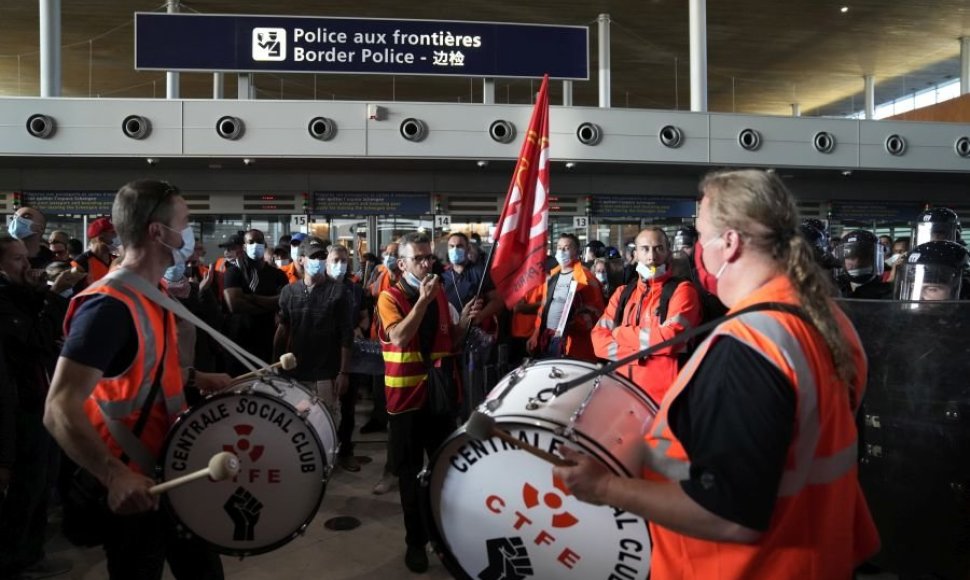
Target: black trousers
411	436
138	546
23	513
348	406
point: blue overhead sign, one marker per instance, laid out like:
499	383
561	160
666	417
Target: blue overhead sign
236	43
643	207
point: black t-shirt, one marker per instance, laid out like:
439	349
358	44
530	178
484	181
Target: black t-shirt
271	280
102	336
320	322
461	288
735	420
42	259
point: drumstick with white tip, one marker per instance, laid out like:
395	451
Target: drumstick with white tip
287	362
223	465
482	426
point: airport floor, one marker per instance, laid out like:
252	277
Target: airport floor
373	550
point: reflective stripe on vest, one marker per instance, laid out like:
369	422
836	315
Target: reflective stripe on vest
669	459
404	368
116	402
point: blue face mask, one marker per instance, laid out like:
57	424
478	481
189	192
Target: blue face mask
175	273
180	255
456	255
255	251
564	259
21	227
390	262
313	267
412	280
336	270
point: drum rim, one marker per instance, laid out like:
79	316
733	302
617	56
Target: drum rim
438	543
184	529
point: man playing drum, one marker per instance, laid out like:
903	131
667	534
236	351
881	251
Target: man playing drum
750	464
120	345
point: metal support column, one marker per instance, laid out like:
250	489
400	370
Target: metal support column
488	91
603	37
218	86
965	65
567	93
172	80
50	48
244	86
870	81
796	110
698	55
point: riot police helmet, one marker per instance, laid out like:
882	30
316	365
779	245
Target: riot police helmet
684	239
936	224
933	271
860	256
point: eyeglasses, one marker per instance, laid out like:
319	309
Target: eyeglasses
425	258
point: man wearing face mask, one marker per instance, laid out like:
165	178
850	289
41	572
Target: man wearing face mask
861	257
556	314
462	278
252	295
750	467
28	225
103	243
316	325
121	359
654	308
31	317
419	330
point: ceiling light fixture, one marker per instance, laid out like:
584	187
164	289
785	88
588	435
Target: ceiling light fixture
844	9
570	164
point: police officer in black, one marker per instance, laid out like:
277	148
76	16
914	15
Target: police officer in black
933	271
861	259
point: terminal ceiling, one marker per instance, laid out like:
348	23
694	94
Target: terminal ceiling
763	55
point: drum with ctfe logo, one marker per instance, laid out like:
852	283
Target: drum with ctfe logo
496	512
286	442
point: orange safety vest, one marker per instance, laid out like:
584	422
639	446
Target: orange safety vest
291	274
381	283
116	402
578	343
821	526
405	371
220	275
640	328
95	268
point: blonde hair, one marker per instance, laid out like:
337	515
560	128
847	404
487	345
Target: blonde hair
759	206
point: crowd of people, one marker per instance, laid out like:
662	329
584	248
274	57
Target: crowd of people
321	301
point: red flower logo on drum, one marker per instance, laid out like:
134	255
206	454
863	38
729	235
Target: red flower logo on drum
243	445
552	499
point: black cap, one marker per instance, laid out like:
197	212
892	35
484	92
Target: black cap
232	240
313	248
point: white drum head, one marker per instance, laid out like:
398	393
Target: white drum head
496	509
281	476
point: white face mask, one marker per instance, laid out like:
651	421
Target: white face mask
565	258
336	270
255	251
649	272
280	262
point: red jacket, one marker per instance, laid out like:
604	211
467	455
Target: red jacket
640	328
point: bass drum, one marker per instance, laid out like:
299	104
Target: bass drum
495	511
286	443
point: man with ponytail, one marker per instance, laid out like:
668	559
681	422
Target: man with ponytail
750	464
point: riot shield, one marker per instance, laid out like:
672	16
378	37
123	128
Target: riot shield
915	433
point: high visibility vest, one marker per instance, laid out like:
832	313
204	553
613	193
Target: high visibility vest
220	267
821	526
292	276
523	324
405	371
95	268
382	282
116	402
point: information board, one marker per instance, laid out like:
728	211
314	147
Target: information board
71	202
248	43
643	207
868	211
371	203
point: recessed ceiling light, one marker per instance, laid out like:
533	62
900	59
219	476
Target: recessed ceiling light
844	9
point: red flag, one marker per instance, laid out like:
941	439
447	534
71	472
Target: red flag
523	230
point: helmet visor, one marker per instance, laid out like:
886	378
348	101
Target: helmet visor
928	282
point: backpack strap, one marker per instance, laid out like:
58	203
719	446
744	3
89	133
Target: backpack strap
624	298
666	293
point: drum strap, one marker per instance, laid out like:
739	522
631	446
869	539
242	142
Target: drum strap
248	360
682	337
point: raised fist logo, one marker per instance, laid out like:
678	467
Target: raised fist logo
243	508
553	500
243	445
508	559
